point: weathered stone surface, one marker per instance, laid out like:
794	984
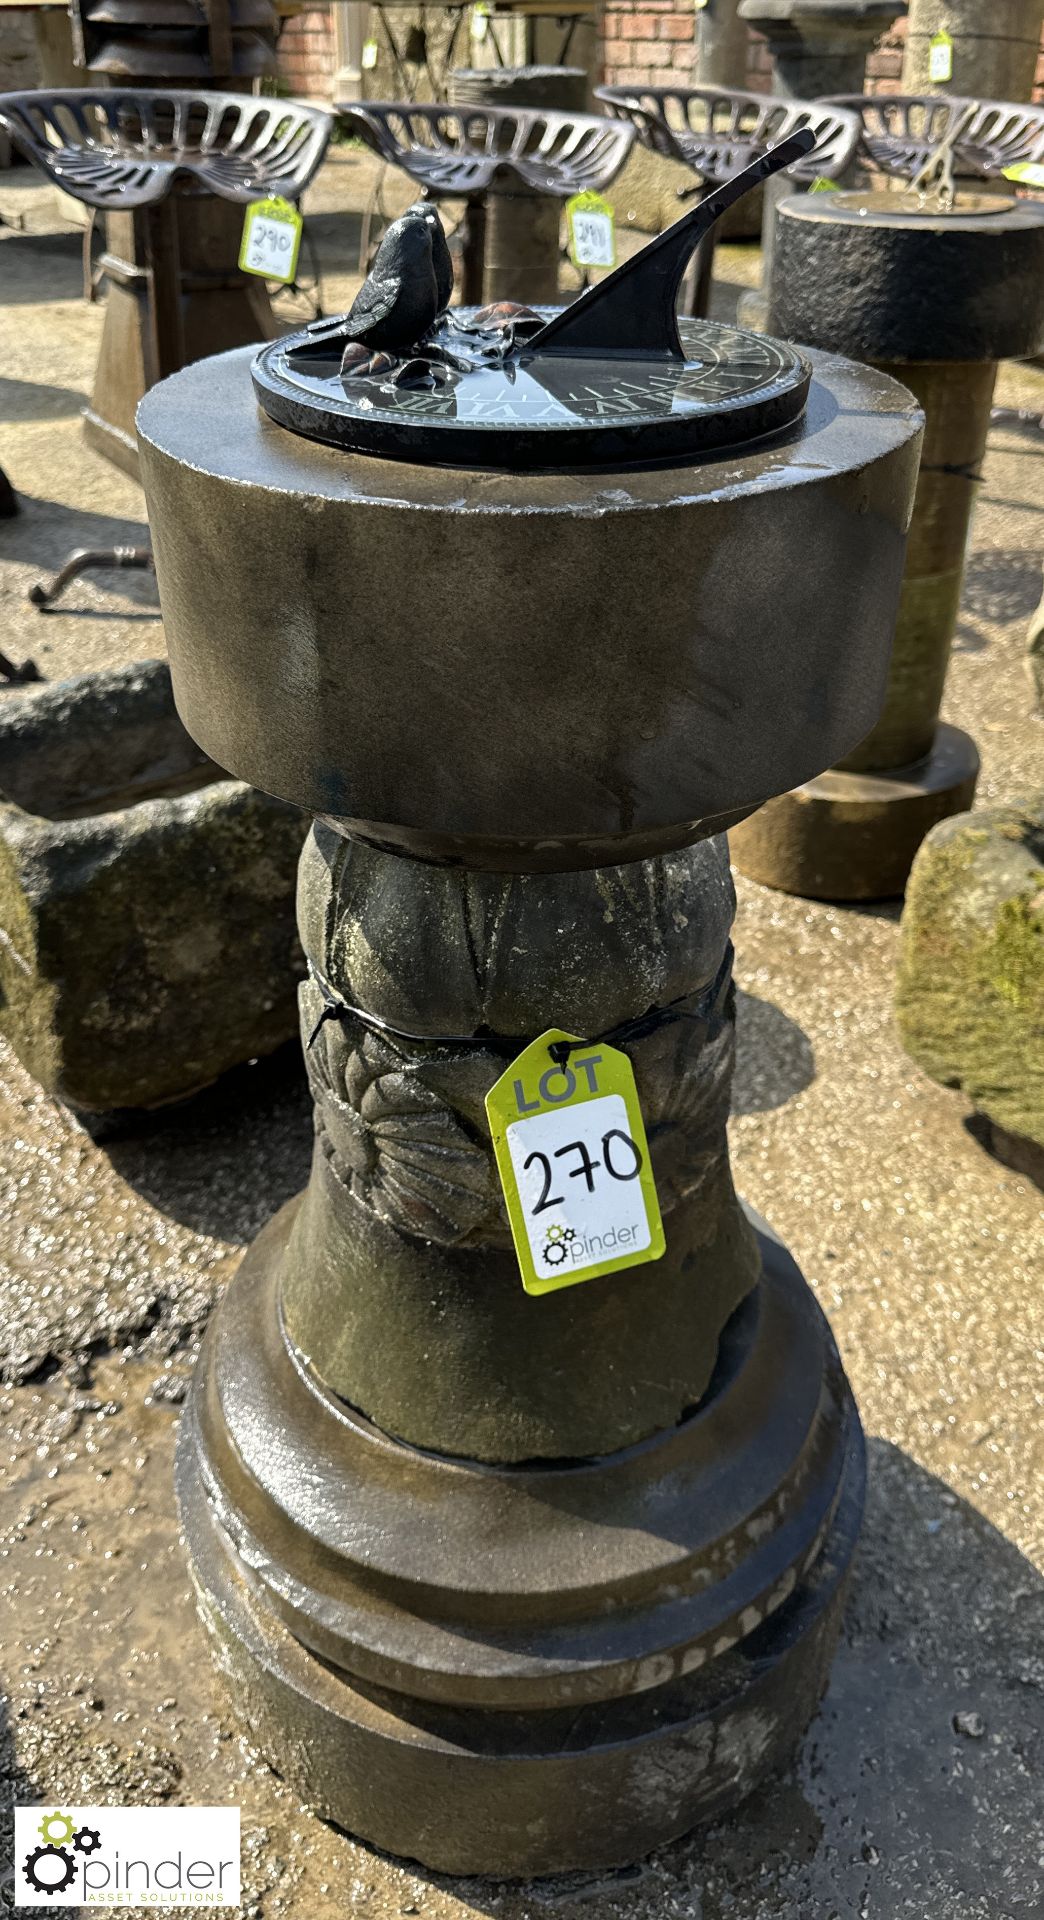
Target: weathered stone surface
523	1669
970	998
439	694
861	275
995	47
436	667
645	195
819	48
404	1225
956	399
853	836
147	937
938	299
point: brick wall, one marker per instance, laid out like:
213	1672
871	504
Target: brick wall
650	42
307	54
653	42
649	45
884	67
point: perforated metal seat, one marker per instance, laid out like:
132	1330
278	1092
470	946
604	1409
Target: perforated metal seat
465	150
114	147
717	130
510	154
159	163
900	132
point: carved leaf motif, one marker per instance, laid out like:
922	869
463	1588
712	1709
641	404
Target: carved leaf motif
395	1142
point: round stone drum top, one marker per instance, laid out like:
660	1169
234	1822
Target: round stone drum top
902	281
527	670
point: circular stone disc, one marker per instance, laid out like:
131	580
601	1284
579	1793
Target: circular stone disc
892	208
544	410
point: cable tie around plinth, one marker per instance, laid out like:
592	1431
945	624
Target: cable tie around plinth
336	1007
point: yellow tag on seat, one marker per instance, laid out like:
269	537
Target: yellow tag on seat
271	239
574	1163
592	231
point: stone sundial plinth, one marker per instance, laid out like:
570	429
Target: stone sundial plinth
525	611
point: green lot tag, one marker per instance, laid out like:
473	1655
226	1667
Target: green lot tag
592	233
574	1163
271	239
1026	173
940	58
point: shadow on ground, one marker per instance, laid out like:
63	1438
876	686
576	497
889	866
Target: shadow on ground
46	532
225	1161
17	1788
1000	586
911	1795
36	400
1014	1150
774	1057
41	266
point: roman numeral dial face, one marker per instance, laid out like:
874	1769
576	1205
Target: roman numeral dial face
541	410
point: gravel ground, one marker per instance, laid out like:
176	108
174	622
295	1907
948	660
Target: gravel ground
917	1788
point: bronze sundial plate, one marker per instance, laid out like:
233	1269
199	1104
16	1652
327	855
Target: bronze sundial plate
541	410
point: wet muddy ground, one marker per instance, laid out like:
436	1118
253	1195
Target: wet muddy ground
917	1789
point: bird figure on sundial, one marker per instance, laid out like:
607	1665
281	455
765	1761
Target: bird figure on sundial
407	288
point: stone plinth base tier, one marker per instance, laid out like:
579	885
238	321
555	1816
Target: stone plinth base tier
853	836
523	1670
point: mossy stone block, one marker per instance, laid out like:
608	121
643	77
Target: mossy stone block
147	935
970	999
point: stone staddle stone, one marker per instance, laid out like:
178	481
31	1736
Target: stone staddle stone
970	996
504	1584
936	300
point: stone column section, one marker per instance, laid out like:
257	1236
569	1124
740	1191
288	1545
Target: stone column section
404	1225
819	47
996	44
936	298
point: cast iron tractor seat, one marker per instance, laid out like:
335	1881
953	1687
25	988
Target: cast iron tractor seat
114	147
901	132
138	155
717	131
467	152
463	150
171	43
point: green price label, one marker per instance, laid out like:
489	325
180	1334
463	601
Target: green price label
574	1163
940	58
271	239
592	231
